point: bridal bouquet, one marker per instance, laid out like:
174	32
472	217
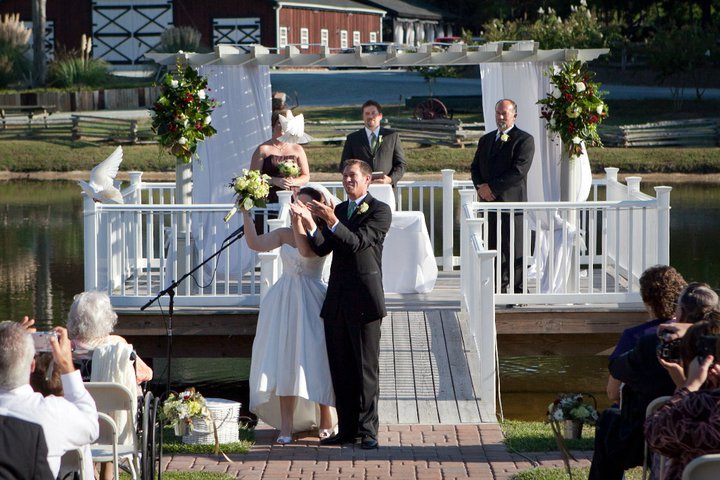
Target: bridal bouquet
289	168
182	115
251	190
574	108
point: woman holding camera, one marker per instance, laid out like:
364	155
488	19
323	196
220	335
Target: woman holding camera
688	425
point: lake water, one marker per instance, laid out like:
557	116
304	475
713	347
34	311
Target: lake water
41	269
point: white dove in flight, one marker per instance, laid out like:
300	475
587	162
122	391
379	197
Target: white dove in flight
101	188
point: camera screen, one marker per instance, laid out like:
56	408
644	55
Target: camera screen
42	341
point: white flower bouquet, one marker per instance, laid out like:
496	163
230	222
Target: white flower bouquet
251	190
289	168
572	406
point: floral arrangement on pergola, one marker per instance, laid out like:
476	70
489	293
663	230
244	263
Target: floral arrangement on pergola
574	108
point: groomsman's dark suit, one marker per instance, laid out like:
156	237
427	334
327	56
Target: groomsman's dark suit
504	167
352	312
388	158
23	450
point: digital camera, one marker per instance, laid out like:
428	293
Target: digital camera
708	345
669	350
42	341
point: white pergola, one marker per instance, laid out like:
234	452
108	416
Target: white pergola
423	55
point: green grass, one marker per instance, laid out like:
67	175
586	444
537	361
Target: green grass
561	474
173	444
538	437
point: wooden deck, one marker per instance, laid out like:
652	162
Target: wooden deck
428	368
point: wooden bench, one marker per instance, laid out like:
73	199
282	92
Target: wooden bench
444	131
90	127
26	110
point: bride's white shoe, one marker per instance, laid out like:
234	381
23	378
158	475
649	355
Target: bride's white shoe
324	433
283	440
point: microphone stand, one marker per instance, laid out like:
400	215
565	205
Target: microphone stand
170	292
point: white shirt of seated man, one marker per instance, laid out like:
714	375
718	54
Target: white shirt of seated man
68	422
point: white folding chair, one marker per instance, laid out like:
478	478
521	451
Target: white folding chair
114	400
704	467
651	408
71	463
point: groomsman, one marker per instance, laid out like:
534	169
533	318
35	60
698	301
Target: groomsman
355	303
499	173
378	146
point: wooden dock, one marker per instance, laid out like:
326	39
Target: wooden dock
428	362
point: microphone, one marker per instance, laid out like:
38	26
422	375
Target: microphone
239	232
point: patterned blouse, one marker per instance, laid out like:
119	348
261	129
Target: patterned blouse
687	426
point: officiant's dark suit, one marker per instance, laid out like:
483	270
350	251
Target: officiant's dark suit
499	173
354	307
387	156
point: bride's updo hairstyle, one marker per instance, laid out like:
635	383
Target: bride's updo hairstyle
318	197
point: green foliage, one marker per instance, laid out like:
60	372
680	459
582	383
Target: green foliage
581	29
76	69
578	473
183	38
14	37
678	54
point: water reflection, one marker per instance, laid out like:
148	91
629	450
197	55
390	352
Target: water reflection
41	269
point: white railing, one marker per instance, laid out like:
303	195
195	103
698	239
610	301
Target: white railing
581	252
134	250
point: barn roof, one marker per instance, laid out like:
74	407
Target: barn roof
345	5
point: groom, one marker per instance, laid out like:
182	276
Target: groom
355	302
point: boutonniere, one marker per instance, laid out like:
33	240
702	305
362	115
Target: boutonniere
362	208
504	137
380	139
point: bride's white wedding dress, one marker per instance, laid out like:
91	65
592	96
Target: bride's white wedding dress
289	356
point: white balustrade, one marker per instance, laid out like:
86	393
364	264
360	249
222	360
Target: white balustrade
131	250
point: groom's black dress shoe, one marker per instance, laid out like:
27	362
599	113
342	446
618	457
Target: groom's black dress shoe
337	440
369	443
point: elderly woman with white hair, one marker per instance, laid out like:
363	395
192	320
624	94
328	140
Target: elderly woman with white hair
90	325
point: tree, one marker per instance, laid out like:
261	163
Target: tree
39	60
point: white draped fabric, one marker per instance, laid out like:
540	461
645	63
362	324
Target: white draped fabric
525	83
243	122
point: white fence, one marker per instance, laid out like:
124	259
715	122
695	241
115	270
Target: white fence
135	250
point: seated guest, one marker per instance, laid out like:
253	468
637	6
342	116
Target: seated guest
23	450
68	422
688	425
660	287
90	323
45	378
619	439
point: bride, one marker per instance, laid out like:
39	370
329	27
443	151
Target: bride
290	385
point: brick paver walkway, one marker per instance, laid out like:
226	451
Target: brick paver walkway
422	452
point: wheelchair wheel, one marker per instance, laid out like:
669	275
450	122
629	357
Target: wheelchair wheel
149	440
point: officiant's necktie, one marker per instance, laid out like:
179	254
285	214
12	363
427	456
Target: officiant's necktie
351	208
373	142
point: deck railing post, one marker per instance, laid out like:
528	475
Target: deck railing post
663	224
466	197
486	341
90	238
448	219
136	186
268	271
633	184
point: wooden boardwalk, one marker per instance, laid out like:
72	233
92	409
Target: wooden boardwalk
428	368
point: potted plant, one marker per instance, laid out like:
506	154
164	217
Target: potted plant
179	410
573	412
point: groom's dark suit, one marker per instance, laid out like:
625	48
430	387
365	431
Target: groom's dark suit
504	167
353	310
388	158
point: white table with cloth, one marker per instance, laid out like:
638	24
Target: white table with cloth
408	259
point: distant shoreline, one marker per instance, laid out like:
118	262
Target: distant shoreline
669	178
